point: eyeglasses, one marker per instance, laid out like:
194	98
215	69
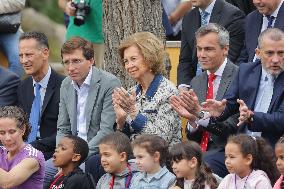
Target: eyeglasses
74	62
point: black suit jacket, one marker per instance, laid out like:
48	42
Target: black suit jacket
8	87
253	25
49	112
245	5
219	130
224	14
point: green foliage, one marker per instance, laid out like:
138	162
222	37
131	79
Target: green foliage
47	7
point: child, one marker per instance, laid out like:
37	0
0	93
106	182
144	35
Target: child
250	162
189	168
151	152
69	154
279	152
115	150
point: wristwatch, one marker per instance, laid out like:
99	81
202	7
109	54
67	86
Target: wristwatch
200	115
203	115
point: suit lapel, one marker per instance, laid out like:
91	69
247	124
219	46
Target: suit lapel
225	81
253	34
277	90
253	81
196	23
49	91
29	94
72	108
92	95
216	12
201	93
280	17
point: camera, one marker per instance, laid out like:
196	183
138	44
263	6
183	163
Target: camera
82	9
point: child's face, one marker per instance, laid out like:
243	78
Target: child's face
279	153
111	160
64	153
145	161
184	168
235	160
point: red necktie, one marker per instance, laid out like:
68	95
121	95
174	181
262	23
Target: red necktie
205	134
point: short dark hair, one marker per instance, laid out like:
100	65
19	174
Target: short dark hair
38	36
119	141
80	147
80	43
21	118
152	144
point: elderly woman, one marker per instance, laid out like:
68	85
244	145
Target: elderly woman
145	108
21	165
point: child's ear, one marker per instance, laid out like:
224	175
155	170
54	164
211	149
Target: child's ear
76	157
249	159
123	156
193	162
157	156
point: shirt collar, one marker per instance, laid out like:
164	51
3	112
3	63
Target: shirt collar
220	70
87	81
151	91
157	175
209	8
43	83
275	13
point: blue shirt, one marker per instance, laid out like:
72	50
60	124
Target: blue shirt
163	179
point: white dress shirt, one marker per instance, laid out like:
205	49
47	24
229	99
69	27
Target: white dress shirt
82	95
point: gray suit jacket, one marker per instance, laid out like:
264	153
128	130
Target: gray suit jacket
219	130
100	116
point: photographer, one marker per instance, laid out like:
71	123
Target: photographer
90	23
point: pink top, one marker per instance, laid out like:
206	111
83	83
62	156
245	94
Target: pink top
257	179
277	185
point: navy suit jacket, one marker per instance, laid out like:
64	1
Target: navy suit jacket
8	87
49	112
223	13
245	87
253	25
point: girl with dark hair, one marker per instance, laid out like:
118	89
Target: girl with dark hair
189	168
251	163
279	152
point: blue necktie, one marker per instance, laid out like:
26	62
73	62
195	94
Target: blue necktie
270	21
35	114
203	16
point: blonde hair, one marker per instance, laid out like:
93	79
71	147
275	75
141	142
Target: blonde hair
151	48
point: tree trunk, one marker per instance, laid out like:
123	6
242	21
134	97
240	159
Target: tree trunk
123	18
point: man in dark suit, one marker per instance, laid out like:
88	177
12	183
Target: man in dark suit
8	87
257	21
244	5
219	12
257	91
34	53
212	50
